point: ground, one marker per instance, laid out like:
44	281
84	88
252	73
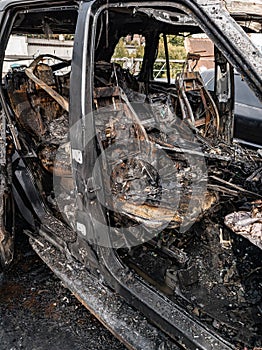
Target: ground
38	313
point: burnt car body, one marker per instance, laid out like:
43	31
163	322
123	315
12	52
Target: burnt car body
122	180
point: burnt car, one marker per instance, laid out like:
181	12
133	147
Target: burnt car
130	188
247	110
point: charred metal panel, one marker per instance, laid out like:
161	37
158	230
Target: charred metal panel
128	325
6	222
247	57
6	198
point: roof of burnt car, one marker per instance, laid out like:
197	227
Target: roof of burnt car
240	7
219	25
4	4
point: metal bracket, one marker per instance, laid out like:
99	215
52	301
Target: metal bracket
91	188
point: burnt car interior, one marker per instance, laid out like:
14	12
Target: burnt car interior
200	255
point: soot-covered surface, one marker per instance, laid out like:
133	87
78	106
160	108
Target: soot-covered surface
38	313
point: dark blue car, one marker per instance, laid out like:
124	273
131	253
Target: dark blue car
248	110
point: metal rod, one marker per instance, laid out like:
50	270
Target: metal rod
167	59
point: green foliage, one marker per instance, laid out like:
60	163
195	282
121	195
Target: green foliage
176	40
175	47
139	51
120	50
176	52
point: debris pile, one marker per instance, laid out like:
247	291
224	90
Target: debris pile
247	223
166	175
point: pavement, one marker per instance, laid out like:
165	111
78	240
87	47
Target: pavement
38	313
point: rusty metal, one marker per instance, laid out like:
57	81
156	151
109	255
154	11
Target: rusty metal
43	85
188	82
40	115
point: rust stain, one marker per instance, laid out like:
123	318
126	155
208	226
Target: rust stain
11	291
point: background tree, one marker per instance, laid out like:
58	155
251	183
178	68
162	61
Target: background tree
176	51
121	50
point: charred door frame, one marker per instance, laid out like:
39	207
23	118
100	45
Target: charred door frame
168	316
24	189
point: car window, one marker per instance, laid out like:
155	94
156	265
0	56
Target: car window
177	56
208	78
244	94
